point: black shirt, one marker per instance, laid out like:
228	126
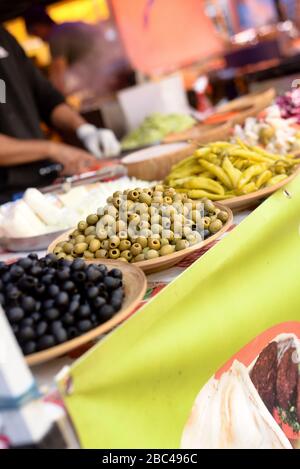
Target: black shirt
30	99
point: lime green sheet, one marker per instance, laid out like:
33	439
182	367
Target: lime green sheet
136	387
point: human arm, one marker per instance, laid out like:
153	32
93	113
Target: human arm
57	72
16	152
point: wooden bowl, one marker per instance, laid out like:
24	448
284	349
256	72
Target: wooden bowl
202	133
245	201
164	262
135	285
154	163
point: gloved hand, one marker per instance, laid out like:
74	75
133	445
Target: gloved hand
100	142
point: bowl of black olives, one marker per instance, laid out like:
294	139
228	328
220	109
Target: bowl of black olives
56	305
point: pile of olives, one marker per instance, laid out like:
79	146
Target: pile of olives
143	224
49	301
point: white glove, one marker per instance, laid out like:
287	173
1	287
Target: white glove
100	142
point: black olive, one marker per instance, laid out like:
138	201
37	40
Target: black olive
36	270
112	283
118	293
78	264
26	333
27	282
106	313
36	316
60	335
93	274
6	277
76	297
84	325
63	274
49	303
79	276
73	307
3	267
45	342
51	258
41	328
53	290
13	293
99	302
33	256
92	292
116	304
26	322
72	332
84	311
55	326
15	314
116	273
16	271
49	271
68	319
2	299
39	289
207	234
28	303
25	263
68	286
94	318
51	314
29	347
47	279
102	268
62	299
15	328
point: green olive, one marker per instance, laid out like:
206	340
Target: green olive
117	194
82	225
60	244
114	253
124	245
101	234
89	238
139	258
121	226
158	199
117	201
122	259
57	250
156	219
223	216
144	224
67	248
168	234
133	195
105	244
90	230
151	254
107	220
206	222
92	219
94	245
134	218
148	191
145	233
140	208
76	233
154	244
215	226
209	206
163	242
80	248
61	255
194	238
69	257
101	254
181	244
145	250
126	254
123	234
136	249
145	217
142	241
156	228
114	242
88	255
109	199
145	198
196	216
80	239
166	249
159	188
166	223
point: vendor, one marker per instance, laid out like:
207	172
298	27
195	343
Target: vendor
29	100
86	59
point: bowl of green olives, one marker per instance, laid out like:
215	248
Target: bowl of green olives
152	228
